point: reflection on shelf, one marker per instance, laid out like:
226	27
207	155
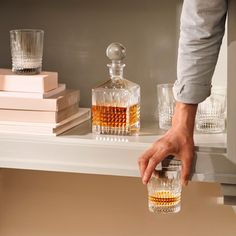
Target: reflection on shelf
120	139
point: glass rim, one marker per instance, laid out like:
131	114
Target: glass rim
167	169
26	30
163	174
170	168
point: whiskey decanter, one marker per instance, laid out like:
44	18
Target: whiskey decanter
116	103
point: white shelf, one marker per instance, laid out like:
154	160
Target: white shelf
80	151
82	135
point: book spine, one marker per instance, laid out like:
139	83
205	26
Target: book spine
65	113
68	100
71	125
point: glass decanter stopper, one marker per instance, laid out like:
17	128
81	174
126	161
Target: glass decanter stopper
116	103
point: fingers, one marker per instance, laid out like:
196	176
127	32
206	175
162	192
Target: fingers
174	143
186	168
153	162
144	159
149	161
153	156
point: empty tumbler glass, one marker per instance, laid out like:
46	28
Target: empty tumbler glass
211	113
26	50
166	105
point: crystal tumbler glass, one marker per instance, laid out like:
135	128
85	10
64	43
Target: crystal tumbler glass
164	189
166	105
26	50
211	113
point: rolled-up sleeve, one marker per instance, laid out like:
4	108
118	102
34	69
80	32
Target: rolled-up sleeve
201	31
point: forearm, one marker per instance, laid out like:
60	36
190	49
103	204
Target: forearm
201	33
202	29
184	117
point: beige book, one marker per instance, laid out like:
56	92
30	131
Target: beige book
81	116
55	103
50	93
40	83
37	116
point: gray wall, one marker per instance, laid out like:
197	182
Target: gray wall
77	33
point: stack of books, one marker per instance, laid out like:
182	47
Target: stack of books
38	104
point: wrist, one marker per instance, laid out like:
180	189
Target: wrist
184	117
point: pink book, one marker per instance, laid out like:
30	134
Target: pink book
38	116
81	116
40	83
18	95
55	103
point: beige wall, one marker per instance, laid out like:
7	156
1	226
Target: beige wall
57	204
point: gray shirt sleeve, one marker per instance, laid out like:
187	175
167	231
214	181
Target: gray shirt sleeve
201	32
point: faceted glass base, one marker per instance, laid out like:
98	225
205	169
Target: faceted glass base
164	201
134	130
210	124
27	71
164	209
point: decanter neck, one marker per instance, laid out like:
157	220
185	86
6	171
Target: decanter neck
116	70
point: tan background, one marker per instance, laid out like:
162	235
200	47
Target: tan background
59	204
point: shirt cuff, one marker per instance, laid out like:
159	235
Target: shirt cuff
191	93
